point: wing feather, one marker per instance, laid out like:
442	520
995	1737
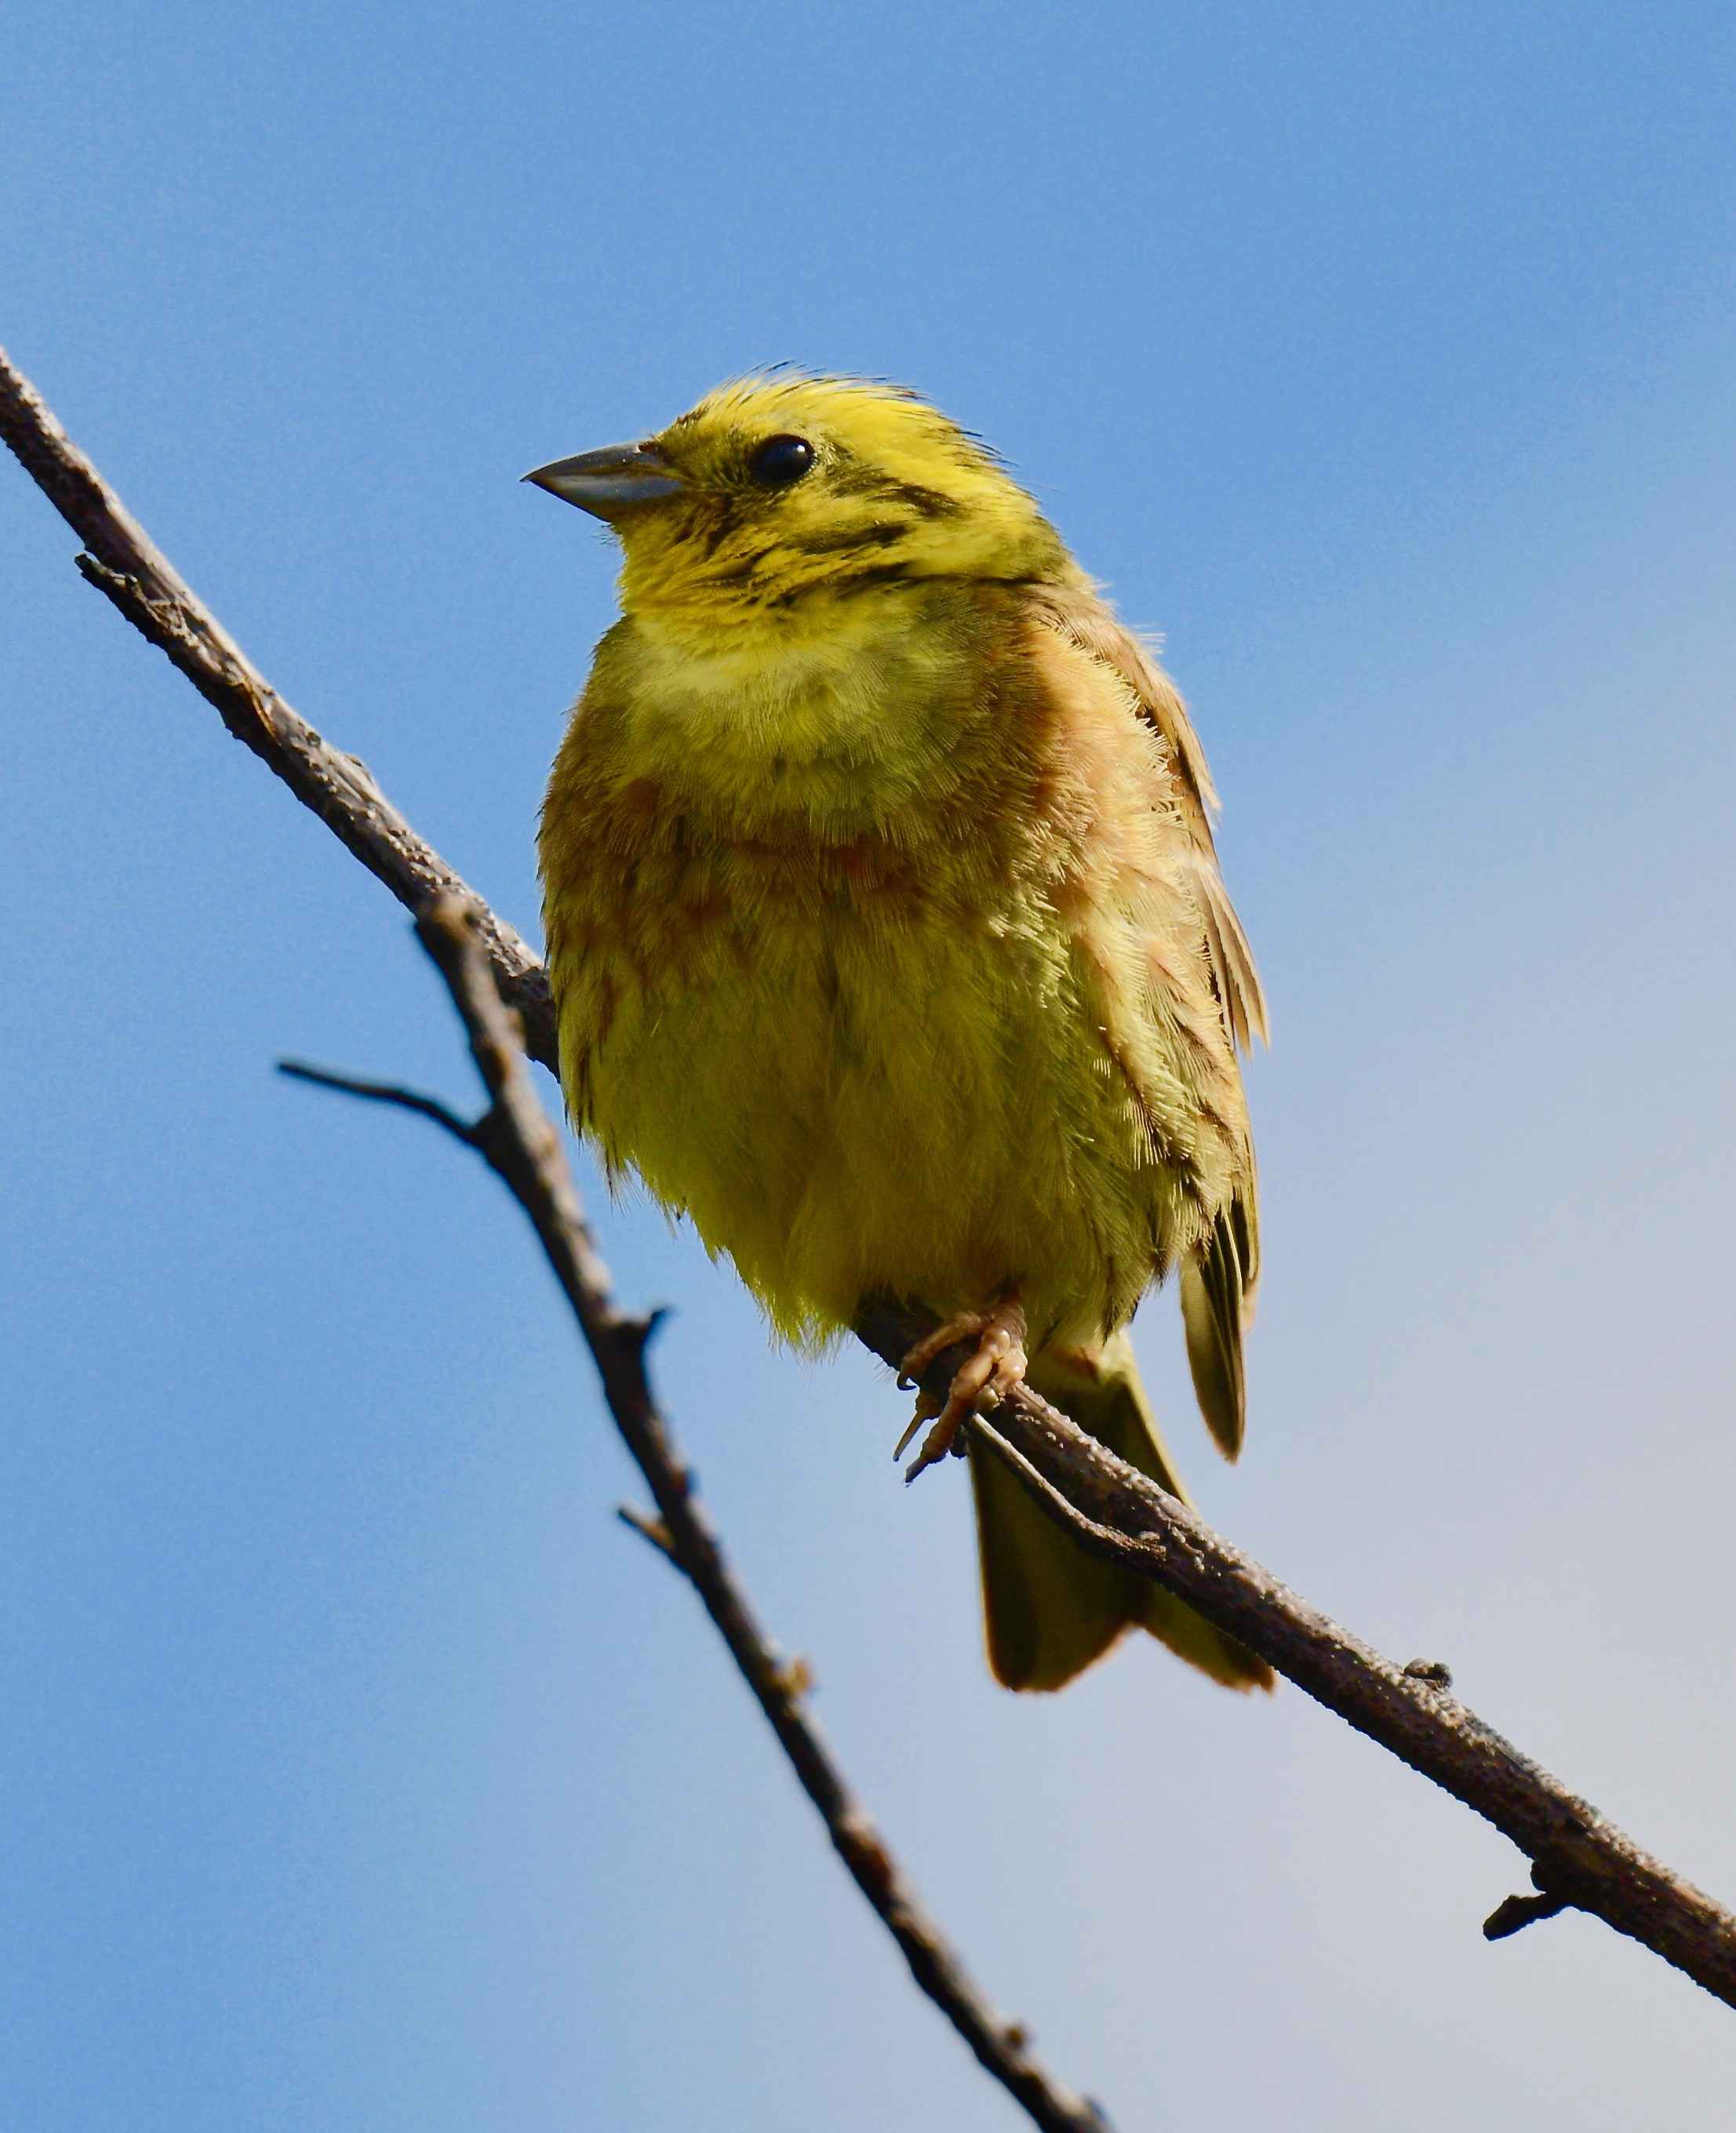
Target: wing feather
1081	615
1219	1275
1239	990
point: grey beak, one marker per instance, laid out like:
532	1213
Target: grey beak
608	481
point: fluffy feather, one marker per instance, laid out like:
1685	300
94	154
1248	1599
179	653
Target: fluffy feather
887	933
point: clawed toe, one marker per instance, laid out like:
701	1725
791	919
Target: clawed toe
927	1407
960	1327
982	1381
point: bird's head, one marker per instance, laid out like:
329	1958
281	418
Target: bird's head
777	494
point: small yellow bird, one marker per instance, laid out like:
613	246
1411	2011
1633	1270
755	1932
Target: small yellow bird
889	941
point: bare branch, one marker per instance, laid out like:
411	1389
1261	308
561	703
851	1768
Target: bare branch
381	1092
1513	1912
648	1529
1578	1858
521	1146
122	562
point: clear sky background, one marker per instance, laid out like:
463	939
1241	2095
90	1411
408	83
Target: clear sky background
358	1770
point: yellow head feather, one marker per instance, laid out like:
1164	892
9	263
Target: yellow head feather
893	493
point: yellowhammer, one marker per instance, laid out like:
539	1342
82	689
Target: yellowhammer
889	944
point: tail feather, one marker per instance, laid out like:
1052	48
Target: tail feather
1217	1295
1049	1609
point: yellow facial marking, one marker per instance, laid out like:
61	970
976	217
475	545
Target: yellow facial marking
798	492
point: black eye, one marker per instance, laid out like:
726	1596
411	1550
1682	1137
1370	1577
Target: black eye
780	461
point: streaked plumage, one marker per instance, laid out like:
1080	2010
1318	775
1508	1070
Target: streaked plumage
888	937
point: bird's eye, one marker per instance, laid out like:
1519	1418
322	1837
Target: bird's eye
780	461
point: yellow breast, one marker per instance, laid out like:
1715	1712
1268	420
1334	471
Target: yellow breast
858	1010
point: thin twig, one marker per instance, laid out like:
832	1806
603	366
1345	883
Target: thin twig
381	1092
1578	1858
516	1137
655	1532
1513	1914
122	562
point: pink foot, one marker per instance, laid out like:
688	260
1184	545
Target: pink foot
982	1381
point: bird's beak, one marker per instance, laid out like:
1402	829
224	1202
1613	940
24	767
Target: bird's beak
610	481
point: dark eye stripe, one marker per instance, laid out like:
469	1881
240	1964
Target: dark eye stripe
865	481
866	538
930	502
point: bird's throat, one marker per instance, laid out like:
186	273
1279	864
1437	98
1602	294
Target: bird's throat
844	726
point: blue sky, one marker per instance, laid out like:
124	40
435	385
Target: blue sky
357	1768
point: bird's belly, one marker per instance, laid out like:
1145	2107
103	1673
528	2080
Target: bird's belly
848	1104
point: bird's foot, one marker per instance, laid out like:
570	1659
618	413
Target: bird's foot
982	1381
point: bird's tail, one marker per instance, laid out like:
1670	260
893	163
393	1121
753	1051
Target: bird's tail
1048	1608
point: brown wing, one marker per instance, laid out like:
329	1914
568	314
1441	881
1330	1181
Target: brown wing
1218	1281
1086	618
